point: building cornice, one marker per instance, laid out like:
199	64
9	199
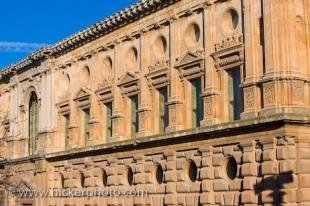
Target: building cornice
203	133
128	15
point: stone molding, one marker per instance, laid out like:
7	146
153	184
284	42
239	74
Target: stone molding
190	65
129	83
82	98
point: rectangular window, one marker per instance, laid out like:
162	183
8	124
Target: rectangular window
86	125
134	116
109	125
163	110
235	94
67	136
197	108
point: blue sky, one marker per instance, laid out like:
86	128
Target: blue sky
26	25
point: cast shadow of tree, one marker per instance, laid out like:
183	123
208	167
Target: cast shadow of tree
275	185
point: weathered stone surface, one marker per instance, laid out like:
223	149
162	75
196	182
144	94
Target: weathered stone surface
231	127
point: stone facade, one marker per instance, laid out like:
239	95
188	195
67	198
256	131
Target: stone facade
68	120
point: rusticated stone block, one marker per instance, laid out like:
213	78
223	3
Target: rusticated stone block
170	199
304	195
218	198
305	181
181	163
248	197
304	166
248	157
231	198
207	186
171	165
288	196
249	183
139	168
217	160
171	176
287	166
286	153
249	169
139	178
269	168
235	185
268	155
183	187
171	187
207	198
206	162
206	173
218	172
270	196
287	181
304	153
220	185
181	175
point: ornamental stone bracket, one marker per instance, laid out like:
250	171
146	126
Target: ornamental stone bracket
229	53
105	91
159	75
129	83
190	65
82	98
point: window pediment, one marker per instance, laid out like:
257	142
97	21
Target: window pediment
158	75
190	65
63	104
229	53
129	83
82	98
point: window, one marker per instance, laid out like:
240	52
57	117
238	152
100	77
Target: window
197	109
86	125
163	110
134	116
33	122
109	109
235	95
67	135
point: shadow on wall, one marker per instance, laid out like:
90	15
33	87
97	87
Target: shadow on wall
270	188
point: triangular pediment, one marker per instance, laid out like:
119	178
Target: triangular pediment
82	93
128	77
24	185
188	58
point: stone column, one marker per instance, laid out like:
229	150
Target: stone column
284	78
211	92
175	87
254	57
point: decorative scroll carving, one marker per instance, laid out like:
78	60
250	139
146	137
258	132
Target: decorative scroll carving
190	65
229	53
158	75
129	84
82	98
